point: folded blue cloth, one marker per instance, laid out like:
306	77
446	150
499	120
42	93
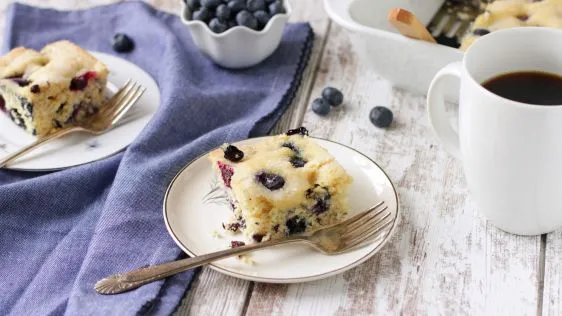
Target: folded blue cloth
62	231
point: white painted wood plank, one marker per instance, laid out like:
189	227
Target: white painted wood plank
444	259
213	293
552	296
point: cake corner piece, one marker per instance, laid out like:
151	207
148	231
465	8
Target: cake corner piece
281	185
45	90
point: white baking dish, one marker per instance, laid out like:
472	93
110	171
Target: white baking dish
407	63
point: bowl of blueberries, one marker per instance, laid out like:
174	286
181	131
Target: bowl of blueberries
236	33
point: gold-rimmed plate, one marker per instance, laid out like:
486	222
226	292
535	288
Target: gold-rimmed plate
195	207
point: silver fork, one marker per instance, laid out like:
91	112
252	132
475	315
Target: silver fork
330	240
99	123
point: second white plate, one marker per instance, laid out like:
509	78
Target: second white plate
194	208
80	148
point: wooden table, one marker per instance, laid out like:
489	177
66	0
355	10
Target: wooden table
444	259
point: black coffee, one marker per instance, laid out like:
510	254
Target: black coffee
532	87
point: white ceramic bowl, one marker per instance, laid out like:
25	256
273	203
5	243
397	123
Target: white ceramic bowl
407	63
238	47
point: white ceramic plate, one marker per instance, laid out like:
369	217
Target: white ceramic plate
194	208
80	148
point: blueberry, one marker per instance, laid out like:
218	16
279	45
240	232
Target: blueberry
192	4
210	4
270	180
236	244
255	5
202	14
28	107
35	89
231	24
332	95
262	17
291	146
218	26
297	161
257	237
245	18
233	154
270	1
301	130
2	104
276	8
381	116
480	32
223	12
19	80
320	106
322	197
236	6
122	43
295	225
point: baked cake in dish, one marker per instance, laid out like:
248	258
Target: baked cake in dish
502	14
282	185
52	88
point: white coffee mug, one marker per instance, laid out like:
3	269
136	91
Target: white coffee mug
511	152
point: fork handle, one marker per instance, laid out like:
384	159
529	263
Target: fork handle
58	134
123	282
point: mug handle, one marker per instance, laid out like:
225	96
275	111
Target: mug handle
438	117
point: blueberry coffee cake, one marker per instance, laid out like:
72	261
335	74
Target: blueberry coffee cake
502	14
52	88
282	185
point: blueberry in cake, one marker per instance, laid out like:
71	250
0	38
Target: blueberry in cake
282	185
55	87
502	14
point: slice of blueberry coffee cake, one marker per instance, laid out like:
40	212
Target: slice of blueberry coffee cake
282	185
55	87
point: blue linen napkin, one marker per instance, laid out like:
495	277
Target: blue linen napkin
62	231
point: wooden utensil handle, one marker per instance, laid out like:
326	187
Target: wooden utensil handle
409	25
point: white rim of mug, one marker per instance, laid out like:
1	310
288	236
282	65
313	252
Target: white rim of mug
490	36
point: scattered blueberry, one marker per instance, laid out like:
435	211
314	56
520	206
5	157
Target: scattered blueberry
262	17
295	225
193	4
236	6
270	180
35	89
276	8
257	237
320	106
223	12
34	132
298	161
2	104
210	4
233	154
480	32
245	18
381	116
122	43
255	5
217	26
236	244
332	95
202	14
301	130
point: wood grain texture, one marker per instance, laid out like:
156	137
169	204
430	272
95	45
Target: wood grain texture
213	293
444	259
552	297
